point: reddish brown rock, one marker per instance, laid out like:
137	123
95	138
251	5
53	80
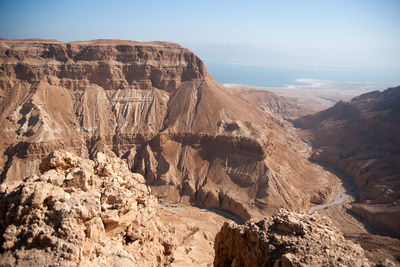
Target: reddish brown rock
362	137
155	105
276	106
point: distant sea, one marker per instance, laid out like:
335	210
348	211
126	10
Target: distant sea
231	73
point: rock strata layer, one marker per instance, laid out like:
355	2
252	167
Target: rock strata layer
286	239
362	137
83	212
154	105
277	107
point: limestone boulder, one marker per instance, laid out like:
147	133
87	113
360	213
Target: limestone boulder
83	212
286	239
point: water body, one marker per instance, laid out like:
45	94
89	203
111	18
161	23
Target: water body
262	76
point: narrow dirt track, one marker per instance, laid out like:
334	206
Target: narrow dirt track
380	248
347	192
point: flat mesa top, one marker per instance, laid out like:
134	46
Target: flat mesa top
105	42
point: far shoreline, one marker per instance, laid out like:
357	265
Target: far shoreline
317	83
322	92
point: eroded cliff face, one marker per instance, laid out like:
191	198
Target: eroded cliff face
154	105
83	212
362	137
286	239
108	86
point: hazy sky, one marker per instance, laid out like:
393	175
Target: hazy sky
348	33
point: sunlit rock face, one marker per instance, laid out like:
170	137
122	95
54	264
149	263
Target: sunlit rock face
362	137
286	239
154	105
83	212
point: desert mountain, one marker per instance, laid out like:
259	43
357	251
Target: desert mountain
154	105
362	137
276	106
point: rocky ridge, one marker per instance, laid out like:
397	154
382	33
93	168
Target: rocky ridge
286	239
362	137
276	106
83	212
154	105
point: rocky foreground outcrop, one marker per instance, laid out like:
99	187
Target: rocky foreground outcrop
286	239
82	213
362	137
154	105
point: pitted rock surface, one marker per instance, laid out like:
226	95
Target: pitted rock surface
83	212
286	239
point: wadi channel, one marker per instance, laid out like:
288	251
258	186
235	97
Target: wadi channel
126	153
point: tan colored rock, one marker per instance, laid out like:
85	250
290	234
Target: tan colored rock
95	229
59	160
286	239
362	138
276	106
155	105
69	215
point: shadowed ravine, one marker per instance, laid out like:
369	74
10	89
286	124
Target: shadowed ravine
347	190
379	244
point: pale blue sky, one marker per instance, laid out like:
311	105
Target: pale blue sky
302	33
